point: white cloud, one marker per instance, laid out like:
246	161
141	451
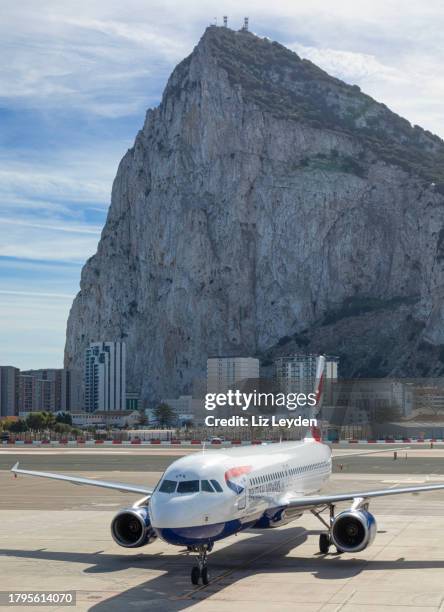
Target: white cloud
32	330
37	278
57	227
26	241
165	46
62	296
112	58
46	206
62	183
105	66
350	66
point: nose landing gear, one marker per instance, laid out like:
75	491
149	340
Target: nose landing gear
200	571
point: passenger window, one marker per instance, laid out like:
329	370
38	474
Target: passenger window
205	486
188	486
217	486
168	486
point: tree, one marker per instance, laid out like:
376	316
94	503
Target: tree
62	428
18	426
64	417
164	415
39	421
36	421
49	420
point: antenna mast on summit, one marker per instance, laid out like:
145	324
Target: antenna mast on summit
245	24
225	21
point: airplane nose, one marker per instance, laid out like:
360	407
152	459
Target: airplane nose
185	522
175	511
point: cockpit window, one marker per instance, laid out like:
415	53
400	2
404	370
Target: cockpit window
188	486
168	486
205	486
217	486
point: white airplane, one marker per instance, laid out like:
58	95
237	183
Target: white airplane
206	497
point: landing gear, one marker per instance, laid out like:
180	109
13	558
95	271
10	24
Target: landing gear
325	540
324	543
195	575
205	575
200	571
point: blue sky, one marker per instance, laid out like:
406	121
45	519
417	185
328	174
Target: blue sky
76	79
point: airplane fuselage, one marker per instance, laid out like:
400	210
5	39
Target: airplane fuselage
208	496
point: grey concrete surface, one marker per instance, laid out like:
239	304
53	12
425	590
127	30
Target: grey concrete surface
409	461
55	536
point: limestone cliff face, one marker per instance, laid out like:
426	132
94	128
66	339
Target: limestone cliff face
267	207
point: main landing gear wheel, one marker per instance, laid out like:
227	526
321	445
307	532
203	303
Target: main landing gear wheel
324	543
195	575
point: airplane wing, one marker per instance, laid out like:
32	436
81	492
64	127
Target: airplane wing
78	480
312	501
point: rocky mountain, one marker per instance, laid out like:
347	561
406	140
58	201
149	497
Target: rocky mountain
265	208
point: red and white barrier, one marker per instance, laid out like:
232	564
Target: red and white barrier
81	443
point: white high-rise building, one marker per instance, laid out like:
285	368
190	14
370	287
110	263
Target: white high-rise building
223	373
297	373
105	376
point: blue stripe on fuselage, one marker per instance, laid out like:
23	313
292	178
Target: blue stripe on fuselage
201	534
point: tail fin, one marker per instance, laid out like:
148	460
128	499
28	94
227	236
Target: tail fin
315	432
319	384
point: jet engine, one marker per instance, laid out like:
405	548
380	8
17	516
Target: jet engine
131	527
353	530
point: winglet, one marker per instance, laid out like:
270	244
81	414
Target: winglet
15	467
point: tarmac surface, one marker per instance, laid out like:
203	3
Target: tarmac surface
55	536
